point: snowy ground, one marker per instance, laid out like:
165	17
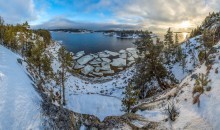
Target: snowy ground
191	117
20	104
101	98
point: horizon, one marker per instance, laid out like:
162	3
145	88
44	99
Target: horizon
109	15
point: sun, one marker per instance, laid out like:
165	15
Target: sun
185	24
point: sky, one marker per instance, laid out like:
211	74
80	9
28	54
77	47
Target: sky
154	15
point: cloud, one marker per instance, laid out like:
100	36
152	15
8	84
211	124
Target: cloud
158	13
60	22
15	11
96	14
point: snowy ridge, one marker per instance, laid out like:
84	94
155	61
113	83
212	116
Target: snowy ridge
20	104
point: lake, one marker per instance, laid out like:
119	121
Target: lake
91	42
97	42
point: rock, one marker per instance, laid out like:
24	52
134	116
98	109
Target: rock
99	59
85	59
123	55
108	72
78	66
103	55
105	66
122	51
79	54
106	60
87	69
130	63
97	69
94	62
112	53
131	58
97	74
131	49
194	76
135	55
119	62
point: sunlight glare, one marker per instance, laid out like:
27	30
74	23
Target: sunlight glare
185	24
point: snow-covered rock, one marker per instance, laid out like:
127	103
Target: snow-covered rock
130	63
112	53
79	54
123	55
119	62
95	62
85	59
103	54
87	69
78	66
108	72
105	66
131	58
122	51
106	60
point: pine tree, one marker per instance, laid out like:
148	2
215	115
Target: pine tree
168	39
66	60
141	44
2	29
151	68
176	39
207	39
130	99
46	66
37	56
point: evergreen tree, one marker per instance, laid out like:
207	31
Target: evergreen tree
141	44
37	56
66	60
2	29
151	68
46	66
130	99
176	39
168	39
207	39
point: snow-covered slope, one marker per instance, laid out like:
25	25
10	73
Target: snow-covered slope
20	104
191	116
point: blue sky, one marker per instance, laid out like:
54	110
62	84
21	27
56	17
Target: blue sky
155	15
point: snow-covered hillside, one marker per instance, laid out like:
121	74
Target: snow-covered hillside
191	116
20	104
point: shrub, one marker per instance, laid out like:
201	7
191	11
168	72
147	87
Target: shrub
201	56
199	88
172	111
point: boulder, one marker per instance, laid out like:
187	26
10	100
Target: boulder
85	59
119	62
87	69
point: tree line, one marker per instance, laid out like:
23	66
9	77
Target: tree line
32	46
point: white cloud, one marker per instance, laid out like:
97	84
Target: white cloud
16	11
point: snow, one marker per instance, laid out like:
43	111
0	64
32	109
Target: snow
79	54
85	59
123	55
112	53
119	62
152	115
87	69
20	104
94	104
105	66
106	60
100	98
103	55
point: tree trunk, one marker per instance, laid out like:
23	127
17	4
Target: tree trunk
64	101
